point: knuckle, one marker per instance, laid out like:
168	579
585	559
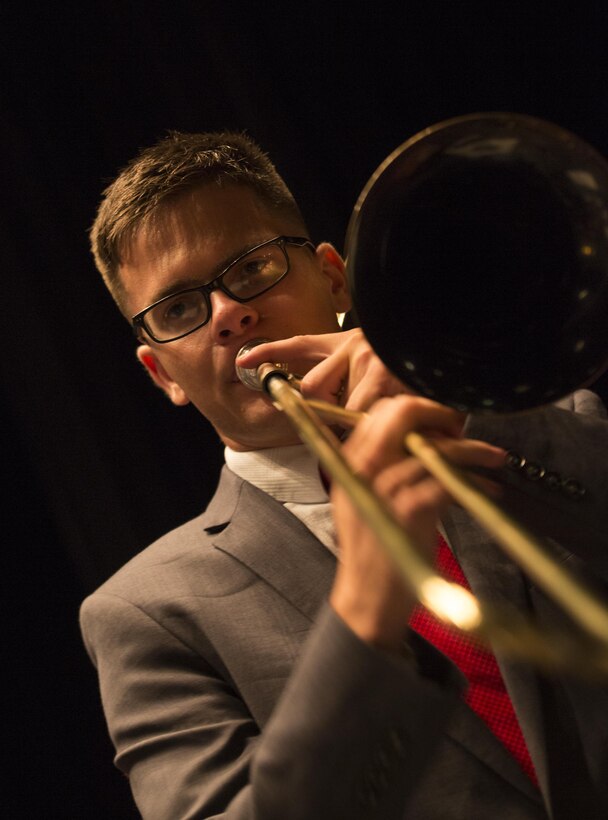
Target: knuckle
310	382
299	341
365	463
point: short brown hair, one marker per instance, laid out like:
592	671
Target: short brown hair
176	164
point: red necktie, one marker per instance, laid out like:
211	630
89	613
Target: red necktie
486	693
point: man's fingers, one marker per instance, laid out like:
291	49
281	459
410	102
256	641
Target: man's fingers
405	471
328	380
471	453
379	438
308	349
378	382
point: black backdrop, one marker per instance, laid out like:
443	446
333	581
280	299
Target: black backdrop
95	462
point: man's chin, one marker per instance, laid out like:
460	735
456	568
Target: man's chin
258	425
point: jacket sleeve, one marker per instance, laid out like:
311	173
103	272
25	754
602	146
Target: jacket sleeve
557	477
348	738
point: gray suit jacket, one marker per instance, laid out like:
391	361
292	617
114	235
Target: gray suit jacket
231	689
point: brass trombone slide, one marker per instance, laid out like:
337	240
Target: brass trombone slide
449	602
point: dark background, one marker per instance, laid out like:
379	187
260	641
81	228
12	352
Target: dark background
95	462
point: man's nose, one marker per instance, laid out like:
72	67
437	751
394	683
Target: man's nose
230	318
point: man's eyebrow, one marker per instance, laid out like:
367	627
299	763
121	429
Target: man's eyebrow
190	282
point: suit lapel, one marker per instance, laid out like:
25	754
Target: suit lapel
258	531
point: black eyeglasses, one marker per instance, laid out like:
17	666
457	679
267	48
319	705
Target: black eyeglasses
249	275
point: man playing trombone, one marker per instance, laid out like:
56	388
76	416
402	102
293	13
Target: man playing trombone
267	660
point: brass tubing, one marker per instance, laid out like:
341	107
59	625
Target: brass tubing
450	602
526	550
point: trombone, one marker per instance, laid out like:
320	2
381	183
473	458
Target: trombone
554	190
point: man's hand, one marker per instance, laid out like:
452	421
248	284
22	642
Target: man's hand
369	593
335	367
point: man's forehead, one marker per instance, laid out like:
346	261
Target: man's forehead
199	216
191	238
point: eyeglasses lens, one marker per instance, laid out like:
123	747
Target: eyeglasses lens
248	277
256	272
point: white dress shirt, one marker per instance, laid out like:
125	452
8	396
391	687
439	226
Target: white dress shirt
291	476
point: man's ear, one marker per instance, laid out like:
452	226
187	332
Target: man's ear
160	377
332	266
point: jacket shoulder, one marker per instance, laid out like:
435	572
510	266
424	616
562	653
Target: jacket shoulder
172	563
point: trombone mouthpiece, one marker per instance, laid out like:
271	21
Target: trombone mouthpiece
255	377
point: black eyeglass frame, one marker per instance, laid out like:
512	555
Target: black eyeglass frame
139	320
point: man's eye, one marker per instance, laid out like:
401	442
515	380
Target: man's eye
255	273
254	268
175	310
182	310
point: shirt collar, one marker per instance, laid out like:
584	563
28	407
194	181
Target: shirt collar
288	474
